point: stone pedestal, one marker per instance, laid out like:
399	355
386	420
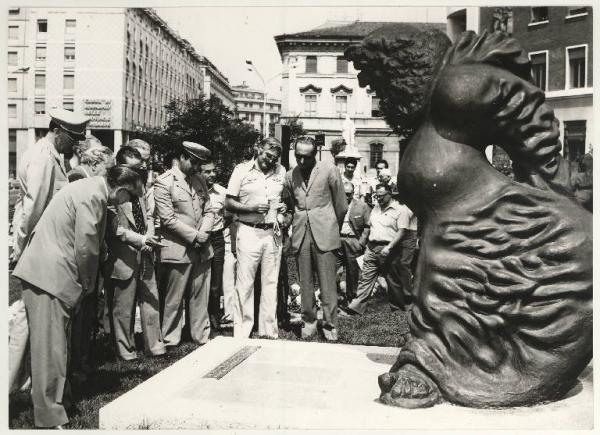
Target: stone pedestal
273	384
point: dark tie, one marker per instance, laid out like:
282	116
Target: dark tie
138	216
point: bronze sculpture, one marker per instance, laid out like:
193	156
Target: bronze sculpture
503	287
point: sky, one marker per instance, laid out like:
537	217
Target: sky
230	35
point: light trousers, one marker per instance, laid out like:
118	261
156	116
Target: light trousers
122	296
256	247
49	334
229	271
190	283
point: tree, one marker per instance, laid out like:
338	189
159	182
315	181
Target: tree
337	146
207	122
296	128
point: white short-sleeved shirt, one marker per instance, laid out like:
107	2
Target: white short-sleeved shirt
217	202
252	186
386	223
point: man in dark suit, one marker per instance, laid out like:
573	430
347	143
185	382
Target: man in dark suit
355	235
59	265
317	198
129	271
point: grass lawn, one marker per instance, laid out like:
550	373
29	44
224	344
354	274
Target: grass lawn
378	327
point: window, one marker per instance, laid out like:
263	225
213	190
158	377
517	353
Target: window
577	11
40	107
576	67
70	26
341	104
68	105
311	64
376	154
12	110
69	53
13	58
12	139
40	53
12	84
42	26
342	65
13	32
310	104
539	15
68	82
539	69
375	110
574	139
40	81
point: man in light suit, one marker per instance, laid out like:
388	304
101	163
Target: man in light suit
129	271
186	219
42	173
319	205
93	161
58	267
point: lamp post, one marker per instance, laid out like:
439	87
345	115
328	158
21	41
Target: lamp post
253	68
23	70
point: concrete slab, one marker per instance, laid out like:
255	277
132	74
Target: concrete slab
271	384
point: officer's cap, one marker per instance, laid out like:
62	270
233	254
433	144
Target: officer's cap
71	122
196	150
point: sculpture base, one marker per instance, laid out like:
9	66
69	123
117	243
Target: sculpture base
271	384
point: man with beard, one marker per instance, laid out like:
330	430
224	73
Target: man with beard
254	194
186	219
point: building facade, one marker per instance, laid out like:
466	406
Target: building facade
320	88
559	42
249	105
118	66
215	83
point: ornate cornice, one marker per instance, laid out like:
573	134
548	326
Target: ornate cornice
341	88
310	88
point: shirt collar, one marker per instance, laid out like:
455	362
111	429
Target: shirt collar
393	204
178	173
105	186
254	165
84	171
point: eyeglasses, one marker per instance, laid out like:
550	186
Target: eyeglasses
382	195
269	156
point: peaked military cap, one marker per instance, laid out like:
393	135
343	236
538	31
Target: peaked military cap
69	121
196	150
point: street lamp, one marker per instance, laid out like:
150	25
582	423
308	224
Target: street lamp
253	68
23	70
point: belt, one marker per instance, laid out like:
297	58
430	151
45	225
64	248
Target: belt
261	226
351	236
216	232
378	242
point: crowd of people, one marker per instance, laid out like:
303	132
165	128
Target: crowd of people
96	237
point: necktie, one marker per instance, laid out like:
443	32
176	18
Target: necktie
138	216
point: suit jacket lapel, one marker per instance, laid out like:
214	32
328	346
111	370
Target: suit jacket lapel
313	175
128	212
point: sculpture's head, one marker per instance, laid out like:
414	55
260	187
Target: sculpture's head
400	62
477	91
484	95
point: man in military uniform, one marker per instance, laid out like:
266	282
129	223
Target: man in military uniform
186	218
42	173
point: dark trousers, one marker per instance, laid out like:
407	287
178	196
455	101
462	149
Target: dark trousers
215	310
351	249
309	258
399	276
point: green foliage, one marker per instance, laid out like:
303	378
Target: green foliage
207	122
296	127
337	146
